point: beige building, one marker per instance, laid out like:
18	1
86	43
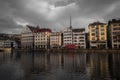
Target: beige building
42	38
114	34
98	35
27	36
79	37
56	40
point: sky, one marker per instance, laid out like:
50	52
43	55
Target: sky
55	14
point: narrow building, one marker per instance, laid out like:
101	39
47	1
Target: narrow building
114	34
98	35
56	40
87	40
79	37
67	36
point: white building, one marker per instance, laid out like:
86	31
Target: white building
8	44
74	36
79	37
56	40
67	36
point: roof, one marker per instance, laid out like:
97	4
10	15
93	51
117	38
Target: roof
78	30
114	21
33	29
44	30
37	29
56	33
96	23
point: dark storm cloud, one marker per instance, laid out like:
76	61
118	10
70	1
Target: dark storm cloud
55	13
91	7
7	24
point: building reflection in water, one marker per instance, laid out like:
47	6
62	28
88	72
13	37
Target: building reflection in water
62	66
98	64
114	66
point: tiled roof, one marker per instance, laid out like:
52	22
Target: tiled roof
37	29
96	23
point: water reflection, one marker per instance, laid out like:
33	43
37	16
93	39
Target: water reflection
59	66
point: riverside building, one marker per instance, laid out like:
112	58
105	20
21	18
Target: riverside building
42	38
27	36
35	37
114	33
67	36
79	37
98	35
56	40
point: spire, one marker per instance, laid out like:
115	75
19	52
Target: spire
70	23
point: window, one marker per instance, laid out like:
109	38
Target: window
102	33
102	29
102	38
97	33
93	27
93	34
75	40
93	38
93	30
115	24
115	46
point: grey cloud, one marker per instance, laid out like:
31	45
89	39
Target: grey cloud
90	7
10	10
7	23
63	3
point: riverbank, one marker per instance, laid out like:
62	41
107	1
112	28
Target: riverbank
72	51
5	49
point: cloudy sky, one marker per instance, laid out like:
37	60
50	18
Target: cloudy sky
55	14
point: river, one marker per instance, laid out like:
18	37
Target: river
59	66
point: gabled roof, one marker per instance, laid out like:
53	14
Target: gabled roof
37	29
33	29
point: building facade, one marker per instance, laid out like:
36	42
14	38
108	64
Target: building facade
27	36
67	36
42	38
87	40
114	34
79	37
8	44
56	40
98	35
17	39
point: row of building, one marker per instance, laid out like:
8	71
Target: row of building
100	35
7	41
35	37
103	35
